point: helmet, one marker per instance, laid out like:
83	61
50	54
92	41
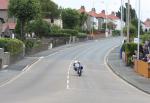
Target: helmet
76	61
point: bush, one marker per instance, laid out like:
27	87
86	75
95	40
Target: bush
129	50
59	35
40	27
14	46
71	32
32	43
81	35
116	32
145	37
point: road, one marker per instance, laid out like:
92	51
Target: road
52	79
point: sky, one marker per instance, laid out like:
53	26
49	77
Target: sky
108	5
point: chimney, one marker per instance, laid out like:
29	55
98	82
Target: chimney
103	11
82	7
113	13
93	9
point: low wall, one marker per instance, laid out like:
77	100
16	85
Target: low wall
143	68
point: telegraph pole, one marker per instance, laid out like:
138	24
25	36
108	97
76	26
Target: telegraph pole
128	22
121	18
139	22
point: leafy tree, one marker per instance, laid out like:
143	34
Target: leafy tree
83	18
70	18
49	9
40	27
24	11
132	14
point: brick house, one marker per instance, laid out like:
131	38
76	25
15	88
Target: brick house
7	24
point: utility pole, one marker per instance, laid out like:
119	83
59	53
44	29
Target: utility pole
139	22
128	22
121	18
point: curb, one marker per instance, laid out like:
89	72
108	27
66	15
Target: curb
123	77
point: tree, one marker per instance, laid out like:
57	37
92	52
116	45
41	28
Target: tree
132	14
40	27
49	9
83	18
70	18
24	11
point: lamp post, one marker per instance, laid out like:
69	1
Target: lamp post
128	22
139	22
122	18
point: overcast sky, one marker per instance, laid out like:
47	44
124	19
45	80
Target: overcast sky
110	5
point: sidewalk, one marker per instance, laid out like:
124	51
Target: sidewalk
127	73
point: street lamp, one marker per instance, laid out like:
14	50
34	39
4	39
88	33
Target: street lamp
122	18
139	22
128	22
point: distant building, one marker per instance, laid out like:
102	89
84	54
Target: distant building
146	25
7	24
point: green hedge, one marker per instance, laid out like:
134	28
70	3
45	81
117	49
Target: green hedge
81	35
145	37
69	31
59	35
32	43
129	49
14	46
116	32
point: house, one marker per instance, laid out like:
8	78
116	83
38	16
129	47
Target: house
146	25
97	20
101	19
116	21
7	24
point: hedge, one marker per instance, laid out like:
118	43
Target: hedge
145	37
32	43
14	46
69	31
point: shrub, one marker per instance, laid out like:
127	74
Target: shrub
129	49
71	32
59	35
32	43
14	46
145	37
116	32
81	35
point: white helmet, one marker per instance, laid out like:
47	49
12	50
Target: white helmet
76	61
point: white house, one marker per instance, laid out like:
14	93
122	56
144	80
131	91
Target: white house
146	25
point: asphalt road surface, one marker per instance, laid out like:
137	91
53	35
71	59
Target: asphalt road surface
53	80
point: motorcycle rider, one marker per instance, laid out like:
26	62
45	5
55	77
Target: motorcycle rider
77	65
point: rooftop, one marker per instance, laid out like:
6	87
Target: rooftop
4	4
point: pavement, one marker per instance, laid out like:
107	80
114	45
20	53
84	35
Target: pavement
126	72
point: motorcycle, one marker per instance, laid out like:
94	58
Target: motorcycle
79	71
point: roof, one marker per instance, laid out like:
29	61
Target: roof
112	16
4	4
147	23
92	13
